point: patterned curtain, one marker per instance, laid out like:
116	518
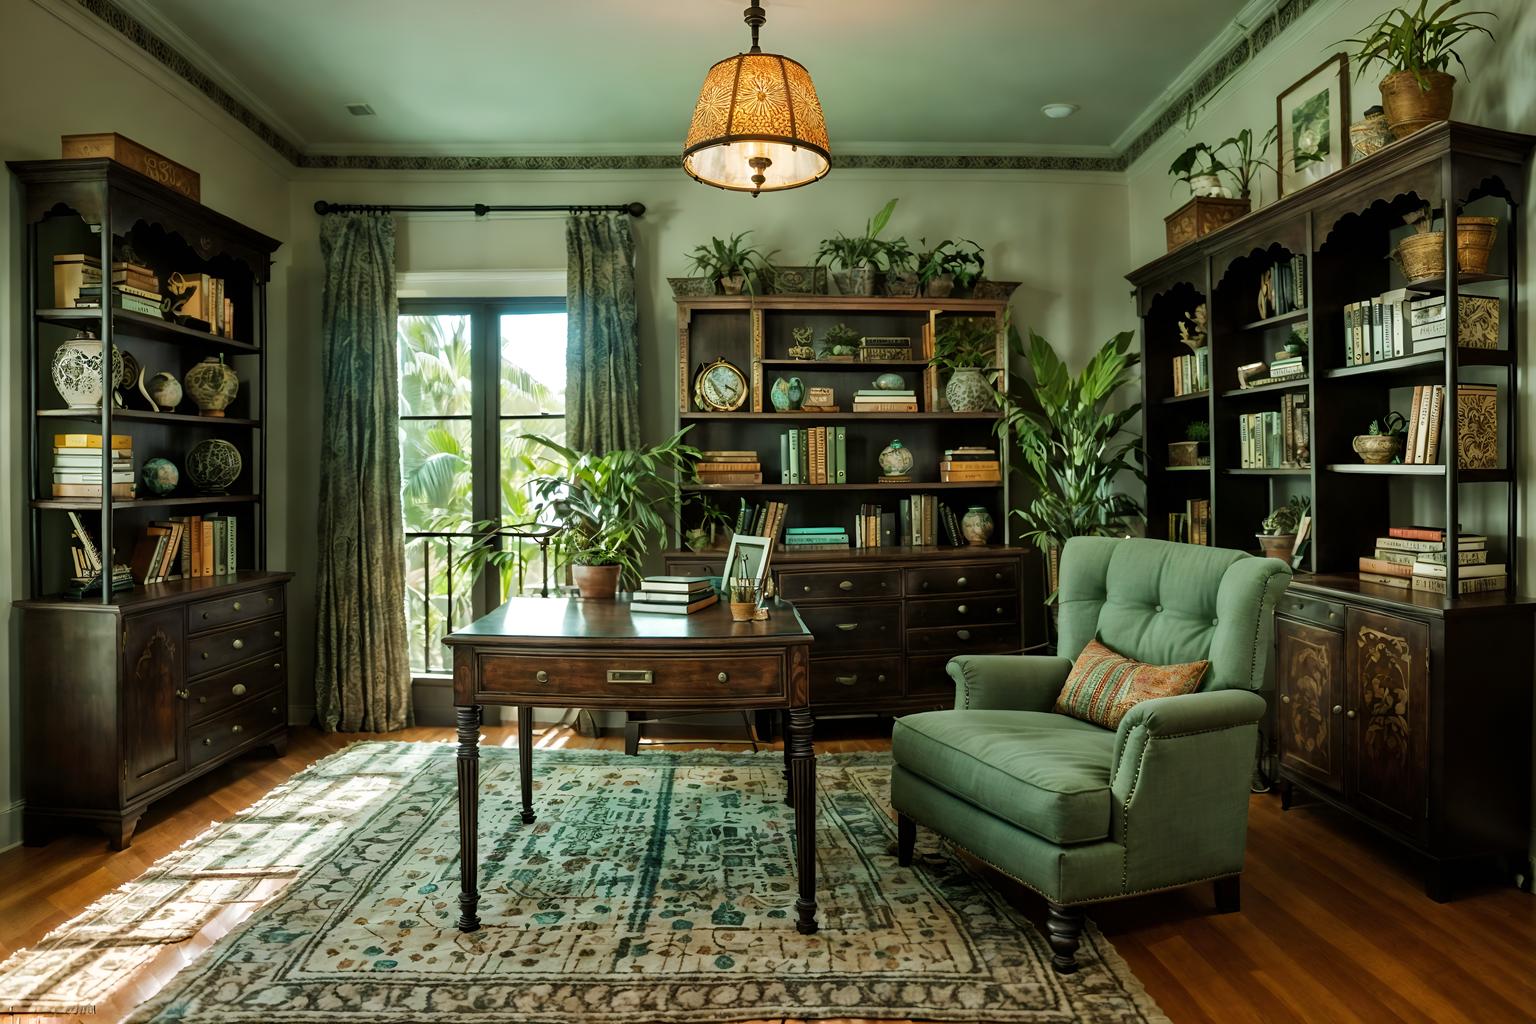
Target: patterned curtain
362	673
602	359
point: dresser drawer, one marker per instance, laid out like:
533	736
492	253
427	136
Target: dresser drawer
855	680
213	694
812	586
1311	609
963	579
224	611
214	651
964	610
964	639
926	676
222	733
853	628
550	677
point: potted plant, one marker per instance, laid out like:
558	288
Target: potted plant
1200	169
1417	46
611	507
1383	441
965	261
899	274
1187	451
1296	341
1076	448
1279	536
714	526
1245	157
933	276
857	255
840	342
964	348
730	263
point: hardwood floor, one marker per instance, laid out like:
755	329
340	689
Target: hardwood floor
1334	926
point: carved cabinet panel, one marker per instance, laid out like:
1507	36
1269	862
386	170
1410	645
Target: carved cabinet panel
1310	681
1387	714
153	748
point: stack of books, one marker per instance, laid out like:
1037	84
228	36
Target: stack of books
207	545
77	283
201	297
1283	288
1414	557
157	555
761	520
88	562
880	400
813	455
970	465
1424	415
728	467
673	595
873	527
920	518
1192	373
815	538
77	466
1193	525
1477	322
1379	328
1284	367
1276	440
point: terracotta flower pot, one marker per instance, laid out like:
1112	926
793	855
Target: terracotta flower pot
596	582
1277	545
1410	107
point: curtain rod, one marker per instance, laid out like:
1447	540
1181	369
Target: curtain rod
478	209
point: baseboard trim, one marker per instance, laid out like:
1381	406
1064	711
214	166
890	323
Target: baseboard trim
10	825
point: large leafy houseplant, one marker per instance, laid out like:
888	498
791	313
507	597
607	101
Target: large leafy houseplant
857	255
1076	447
1417	47
729	262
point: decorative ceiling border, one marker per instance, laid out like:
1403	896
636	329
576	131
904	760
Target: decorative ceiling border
136	32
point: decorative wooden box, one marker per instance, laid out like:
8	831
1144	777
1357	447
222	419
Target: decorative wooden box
135	157
1200	216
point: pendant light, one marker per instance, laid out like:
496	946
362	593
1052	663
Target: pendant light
758	125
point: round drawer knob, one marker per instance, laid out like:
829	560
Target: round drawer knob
1349	714
237	644
274	710
269	600
845	585
1285	698
961	582
999	609
236	729
723	676
277	666
202	700
925	584
961	609
997	576
880	678
205	655
207	741
205	615
238	689
541	676
806	588
1338	708
237	606
963	634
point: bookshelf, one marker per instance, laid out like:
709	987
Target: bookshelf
1345	645
892	660
129	694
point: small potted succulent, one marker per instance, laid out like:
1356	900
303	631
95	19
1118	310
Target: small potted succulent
855	258
965	348
1187	452
1279	536
899	277
840	342
1296	341
730	264
1417	46
1383	441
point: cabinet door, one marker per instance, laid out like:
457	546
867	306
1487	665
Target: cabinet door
1387	711
1309	675
153	748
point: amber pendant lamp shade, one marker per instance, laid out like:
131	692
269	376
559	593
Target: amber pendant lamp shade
758	125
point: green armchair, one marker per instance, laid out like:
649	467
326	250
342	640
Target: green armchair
1082	814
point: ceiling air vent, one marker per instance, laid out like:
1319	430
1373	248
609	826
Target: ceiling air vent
359	110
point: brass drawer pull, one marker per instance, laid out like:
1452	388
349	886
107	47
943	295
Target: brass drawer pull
847	627
847	680
639	676
961	609
845	585
277	634
961	582
1338	708
238	644
880	678
998	576
1349	714
238	689
269	600
724	677
541	676
274	710
237	729
1285	698
236	606
806	588
207	741
277	666
963	634
202	700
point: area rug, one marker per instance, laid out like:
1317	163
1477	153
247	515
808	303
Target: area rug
651	888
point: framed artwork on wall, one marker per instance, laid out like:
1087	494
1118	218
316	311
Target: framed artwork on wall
1312	123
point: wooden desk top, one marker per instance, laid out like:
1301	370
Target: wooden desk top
572	621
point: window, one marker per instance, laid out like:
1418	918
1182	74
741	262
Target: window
479	379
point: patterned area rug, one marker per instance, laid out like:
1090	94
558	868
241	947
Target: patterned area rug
652	888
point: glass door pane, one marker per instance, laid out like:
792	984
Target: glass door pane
531	405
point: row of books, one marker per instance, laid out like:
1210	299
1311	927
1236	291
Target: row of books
1283	287
970	464
1415	557
202	297
765	520
728	467
881	400
1192	373
1403	322
813	455
673	595
816	538
88	563
78	284
185	547
1193	525
919	519
873	527
1279	439
77	469
1477	425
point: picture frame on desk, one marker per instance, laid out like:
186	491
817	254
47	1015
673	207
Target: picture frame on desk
755	553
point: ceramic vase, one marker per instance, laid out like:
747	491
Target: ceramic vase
212	386
787	394
968	391
76	370
159	476
976	525
164	390
213	465
896	459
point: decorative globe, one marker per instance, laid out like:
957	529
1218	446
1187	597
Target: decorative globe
890	382
160	476
212	386
213	465
77	370
896	460
164	390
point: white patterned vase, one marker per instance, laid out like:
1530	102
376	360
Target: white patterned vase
896	459
976	525
968	391
77	370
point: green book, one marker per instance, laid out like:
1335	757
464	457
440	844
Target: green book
841	445
784	458
794	455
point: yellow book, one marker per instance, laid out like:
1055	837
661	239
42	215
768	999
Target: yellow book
90	441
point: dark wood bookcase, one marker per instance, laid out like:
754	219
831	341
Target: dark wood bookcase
128	695
1401	707
887	618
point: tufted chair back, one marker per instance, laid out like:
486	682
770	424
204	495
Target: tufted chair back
1165	603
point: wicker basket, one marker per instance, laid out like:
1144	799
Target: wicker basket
1474	243
1422	255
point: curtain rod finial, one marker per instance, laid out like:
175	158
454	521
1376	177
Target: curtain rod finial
322	207
636	209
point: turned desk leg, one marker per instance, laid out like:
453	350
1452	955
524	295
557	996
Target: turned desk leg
789	786
525	759
802	771
469	816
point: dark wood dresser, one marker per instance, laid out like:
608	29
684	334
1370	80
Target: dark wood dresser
1411	714
127	701
886	620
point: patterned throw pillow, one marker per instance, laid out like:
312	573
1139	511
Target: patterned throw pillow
1103	685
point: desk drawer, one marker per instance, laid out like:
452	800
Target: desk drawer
964	639
551	677
970	609
236	727
855	680
224	611
854	628
1311	609
963	579
213	694
812	586
214	651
